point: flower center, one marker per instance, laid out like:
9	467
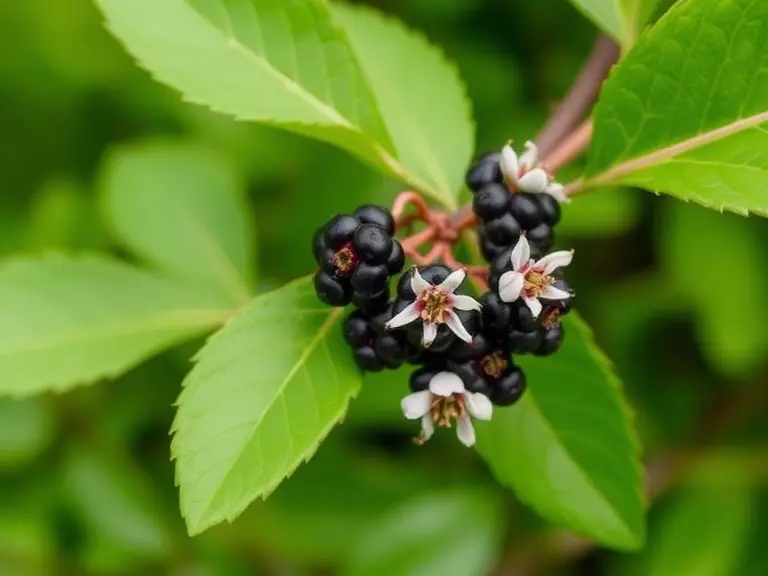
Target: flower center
550	317
433	303
494	364
535	283
345	260
445	409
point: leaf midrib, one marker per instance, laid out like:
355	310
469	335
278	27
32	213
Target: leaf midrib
168	320
671	152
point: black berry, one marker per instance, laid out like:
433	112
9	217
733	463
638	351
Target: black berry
378	215
549	208
369	278
372	244
357	330
526	210
541	236
331	291
551	341
509	388
503	230
340	230
484	171
491	201
367	360
396	259
371	303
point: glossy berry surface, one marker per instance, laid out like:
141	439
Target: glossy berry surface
485	170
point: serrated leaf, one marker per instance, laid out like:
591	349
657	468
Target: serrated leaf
567	447
280	62
729	340
181	207
420	95
451	532
264	393
685	113
621	19
73	320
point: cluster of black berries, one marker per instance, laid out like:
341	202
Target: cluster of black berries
503	214
357	255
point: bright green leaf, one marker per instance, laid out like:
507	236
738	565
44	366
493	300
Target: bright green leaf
181	207
264	393
690	240
453	532
281	62
621	19
567	447
73	320
434	135
686	112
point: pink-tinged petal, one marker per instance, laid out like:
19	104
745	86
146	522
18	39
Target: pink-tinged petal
534	305
552	293
533	182
510	286
446	384
465	431
552	262
521	253
454	323
479	405
557	191
430	333
462	302
453	281
418	284
530	157
427	427
416	405
508	164
409	314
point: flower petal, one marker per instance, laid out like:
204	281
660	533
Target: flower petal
552	262
521	253
408	314
453	281
416	405
453	322
530	157
510	286
465	431
534	305
430	333
534	182
445	384
462	302
508	164
427	427
557	191
418	284
552	293
479	405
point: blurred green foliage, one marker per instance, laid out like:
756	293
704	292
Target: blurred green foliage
675	294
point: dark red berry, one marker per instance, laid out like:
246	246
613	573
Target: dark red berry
396	259
340	230
509	388
491	201
367	360
378	215
372	244
549	208
503	230
551	341
370	278
331	291
525	209
484	171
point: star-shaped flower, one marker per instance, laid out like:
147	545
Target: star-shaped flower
434	305
447	400
530	279
525	175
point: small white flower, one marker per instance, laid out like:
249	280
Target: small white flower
525	175
434	306
531	280
445	401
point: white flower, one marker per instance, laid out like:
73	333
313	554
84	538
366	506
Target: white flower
531	280
525	175
445	401
434	305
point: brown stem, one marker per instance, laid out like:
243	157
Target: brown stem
403	200
581	96
571	147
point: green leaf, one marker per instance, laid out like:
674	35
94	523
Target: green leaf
454	532
685	112
567	447
27	428
182	208
73	320
284	63
433	134
606	212
690	240
264	393
622	19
